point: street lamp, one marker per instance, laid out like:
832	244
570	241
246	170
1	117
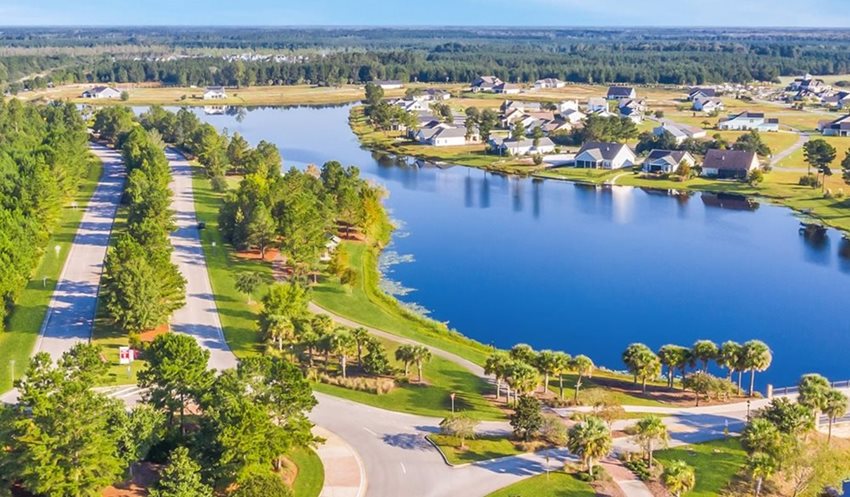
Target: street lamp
748	410
452	395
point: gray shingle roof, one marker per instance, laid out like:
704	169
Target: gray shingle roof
602	150
738	160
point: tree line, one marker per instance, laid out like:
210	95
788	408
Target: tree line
141	286
43	158
64	439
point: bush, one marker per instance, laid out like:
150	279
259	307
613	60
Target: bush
538	159
755	177
218	183
809	180
125	95
553	430
639	467
378	386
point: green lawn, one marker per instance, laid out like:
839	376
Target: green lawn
556	484
479	449
715	463
311	473
24	323
616	396
238	319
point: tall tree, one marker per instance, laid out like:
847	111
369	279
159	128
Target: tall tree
819	154
834	407
583	366
590	439
757	357
649	431
705	351
526	419
678	477
672	356
261	229
181	477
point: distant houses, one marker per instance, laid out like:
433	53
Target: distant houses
729	164
486	84
215	93
605	155
100	92
838	127
679	132
746	121
621	93
548	84
667	161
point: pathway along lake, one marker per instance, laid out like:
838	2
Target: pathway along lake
589	270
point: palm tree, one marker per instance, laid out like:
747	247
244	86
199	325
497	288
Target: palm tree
704	351
523	352
497	365
278	329
672	356
630	356
563	364
757	357
761	466
760	435
342	344
547	365
310	340
522	378
678	477
590	439
247	283
421	355
649	430
404	354
813	389
360	336
729	356
835	406
583	366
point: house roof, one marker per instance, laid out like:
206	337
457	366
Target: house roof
596	101
677	129
450	132
620	91
528	143
735	160
215	88
548	81
708	92
602	150
672	157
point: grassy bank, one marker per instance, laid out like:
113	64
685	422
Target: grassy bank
25	321
555	484
715	464
478	449
311	474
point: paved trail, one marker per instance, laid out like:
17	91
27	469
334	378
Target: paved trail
199	317
70	314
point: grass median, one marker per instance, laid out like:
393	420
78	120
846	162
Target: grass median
715	463
555	484
311	474
24	324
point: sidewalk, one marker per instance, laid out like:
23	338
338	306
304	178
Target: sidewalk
344	472
623	478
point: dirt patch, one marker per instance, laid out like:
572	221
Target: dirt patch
272	254
144	476
149	335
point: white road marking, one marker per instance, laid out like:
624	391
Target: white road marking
370	431
403	469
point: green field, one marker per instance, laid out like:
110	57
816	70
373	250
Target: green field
715	464
311	473
478	449
17	343
555	484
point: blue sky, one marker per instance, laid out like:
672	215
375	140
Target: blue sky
825	13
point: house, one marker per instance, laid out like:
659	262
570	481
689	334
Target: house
596	104
701	93
708	105
507	89
746	121
567	105
729	163
486	84
838	127
214	93
525	147
679	132
605	155
633	109
435	95
837	100
548	83
389	84
621	93
440	134
510	105
101	92
573	116
808	83
666	161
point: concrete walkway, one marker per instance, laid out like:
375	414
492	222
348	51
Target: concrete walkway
802	138
70	314
345	475
199	317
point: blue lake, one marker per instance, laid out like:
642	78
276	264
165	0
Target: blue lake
590	270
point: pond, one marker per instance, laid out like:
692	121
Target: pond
589	269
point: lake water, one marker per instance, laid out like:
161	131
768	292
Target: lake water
590	270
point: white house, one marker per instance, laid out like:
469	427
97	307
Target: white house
633	109
525	147
679	132
605	155
596	104
548	83
746	121
735	164
667	161
99	92
708	105
390	84
621	93
567	105
701	93
838	127
573	116
486	83
214	93
507	89
444	135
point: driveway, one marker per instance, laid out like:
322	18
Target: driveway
70	314
199	317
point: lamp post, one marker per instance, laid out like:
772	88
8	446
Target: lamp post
452	395
748	410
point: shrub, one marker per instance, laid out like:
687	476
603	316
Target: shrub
553	430
218	183
378	386
639	467
125	95
538	159
809	180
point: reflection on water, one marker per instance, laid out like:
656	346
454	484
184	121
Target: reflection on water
589	269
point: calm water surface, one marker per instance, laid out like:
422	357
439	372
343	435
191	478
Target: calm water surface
590	270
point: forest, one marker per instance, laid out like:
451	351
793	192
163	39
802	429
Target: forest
205	56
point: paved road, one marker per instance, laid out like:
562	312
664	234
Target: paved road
199	317
802	138
70	315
